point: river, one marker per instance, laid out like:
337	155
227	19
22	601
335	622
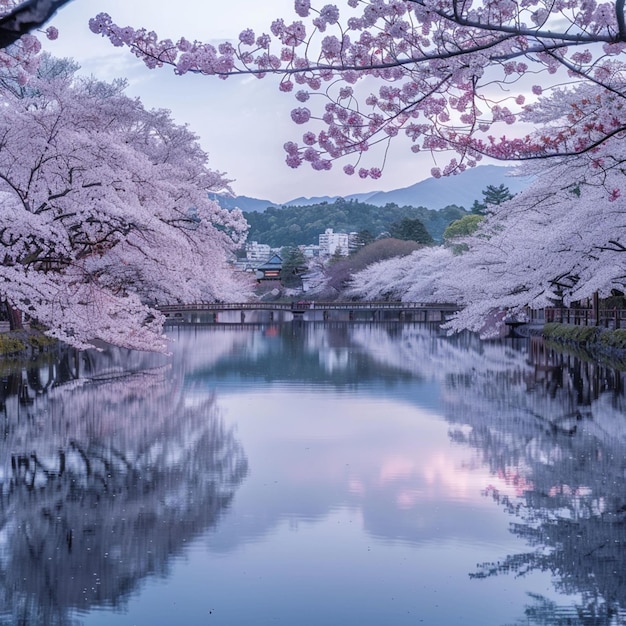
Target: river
314	474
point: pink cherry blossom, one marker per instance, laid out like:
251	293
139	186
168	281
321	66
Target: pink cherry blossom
302	96
555	242
302	7
247	37
293	160
438	63
300	115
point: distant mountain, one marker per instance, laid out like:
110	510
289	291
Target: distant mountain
460	190
302	201
432	193
242	202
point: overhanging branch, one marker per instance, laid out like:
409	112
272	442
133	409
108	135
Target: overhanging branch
25	17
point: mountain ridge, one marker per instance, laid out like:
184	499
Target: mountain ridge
433	193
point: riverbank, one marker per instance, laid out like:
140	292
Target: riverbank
601	344
24	343
594	339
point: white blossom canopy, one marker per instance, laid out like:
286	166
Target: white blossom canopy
559	241
105	211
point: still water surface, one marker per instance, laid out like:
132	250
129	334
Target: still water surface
311	474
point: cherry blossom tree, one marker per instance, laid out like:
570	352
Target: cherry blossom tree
560	241
445	74
105	211
423	276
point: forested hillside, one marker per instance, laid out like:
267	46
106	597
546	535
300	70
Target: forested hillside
300	225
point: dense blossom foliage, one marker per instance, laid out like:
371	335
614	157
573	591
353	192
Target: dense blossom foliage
105	211
419	277
560	241
443	73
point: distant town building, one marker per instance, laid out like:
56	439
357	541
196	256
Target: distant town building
310	251
354	242
257	252
270	270
333	243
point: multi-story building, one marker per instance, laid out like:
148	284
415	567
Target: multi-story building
354	242
333	243
257	252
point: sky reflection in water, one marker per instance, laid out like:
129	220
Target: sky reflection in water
345	474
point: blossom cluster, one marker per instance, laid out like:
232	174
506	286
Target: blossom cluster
446	76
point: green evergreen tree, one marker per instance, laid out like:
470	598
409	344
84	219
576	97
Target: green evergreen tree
491	196
302	225
410	229
294	265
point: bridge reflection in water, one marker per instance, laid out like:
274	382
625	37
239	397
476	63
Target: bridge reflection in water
261	312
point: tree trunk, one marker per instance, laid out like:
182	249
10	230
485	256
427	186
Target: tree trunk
16	321
596	308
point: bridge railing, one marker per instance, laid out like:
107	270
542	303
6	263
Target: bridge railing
303	305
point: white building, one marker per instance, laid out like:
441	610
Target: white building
257	252
333	243
354	242
310	251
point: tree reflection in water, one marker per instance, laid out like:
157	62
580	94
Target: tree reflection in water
552	428
568	489
106	477
104	480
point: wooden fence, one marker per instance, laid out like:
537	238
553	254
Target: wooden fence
607	318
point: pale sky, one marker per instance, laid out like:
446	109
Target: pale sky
242	122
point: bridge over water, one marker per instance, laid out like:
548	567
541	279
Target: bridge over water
259	312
